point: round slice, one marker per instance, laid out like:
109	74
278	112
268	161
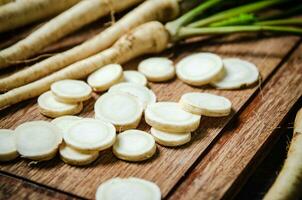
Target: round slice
205	104
128	189
157	69
38	140
123	110
170	139
8	149
90	135
136	77
238	74
199	69
134	145
64	122
104	78
142	93
76	157
170	117
50	107
71	91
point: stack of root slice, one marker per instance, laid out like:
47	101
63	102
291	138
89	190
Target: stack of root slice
71	91
65	98
84	139
170	117
205	104
171	125
170	139
207	68
128	188
69	154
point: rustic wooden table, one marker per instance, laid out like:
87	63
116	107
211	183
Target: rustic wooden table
224	151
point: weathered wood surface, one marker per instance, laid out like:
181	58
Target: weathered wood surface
14	188
230	160
170	164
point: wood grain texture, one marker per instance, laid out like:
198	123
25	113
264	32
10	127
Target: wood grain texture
222	171
13	188
169	164
265	174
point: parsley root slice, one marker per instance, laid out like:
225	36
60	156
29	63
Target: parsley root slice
238	74
90	135
38	140
64	122
142	93
136	77
170	117
134	145
8	150
199	69
51	107
170	139
102	79
71	91
205	104
123	110
73	156
157	69
128	188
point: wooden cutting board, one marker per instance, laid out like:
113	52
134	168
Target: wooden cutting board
223	151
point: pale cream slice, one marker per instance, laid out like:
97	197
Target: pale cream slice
134	145
128	189
170	117
157	69
199	69
71	91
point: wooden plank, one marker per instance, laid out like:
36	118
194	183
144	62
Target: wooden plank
169	164
222	171
13	188
266	172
